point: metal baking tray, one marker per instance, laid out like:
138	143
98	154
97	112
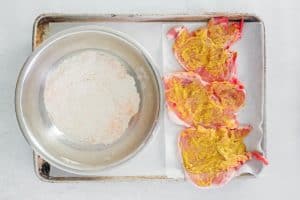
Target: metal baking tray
40	33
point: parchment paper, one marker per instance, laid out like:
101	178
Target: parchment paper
160	156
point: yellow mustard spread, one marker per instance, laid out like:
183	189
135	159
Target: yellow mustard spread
198	50
210	151
194	104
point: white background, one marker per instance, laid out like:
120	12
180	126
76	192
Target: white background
279	180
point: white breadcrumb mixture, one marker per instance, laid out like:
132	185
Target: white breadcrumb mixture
90	97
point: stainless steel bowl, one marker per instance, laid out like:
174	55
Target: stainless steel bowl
42	135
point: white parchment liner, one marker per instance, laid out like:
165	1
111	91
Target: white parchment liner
160	157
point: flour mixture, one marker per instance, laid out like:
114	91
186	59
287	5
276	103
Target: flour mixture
90	97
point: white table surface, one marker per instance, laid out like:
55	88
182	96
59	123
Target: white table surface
279	180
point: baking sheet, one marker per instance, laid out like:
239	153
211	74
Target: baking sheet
250	67
161	152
